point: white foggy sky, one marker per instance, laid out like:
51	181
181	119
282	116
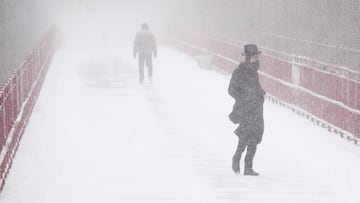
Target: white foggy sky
118	19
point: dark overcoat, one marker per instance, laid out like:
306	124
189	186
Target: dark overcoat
145	43
247	111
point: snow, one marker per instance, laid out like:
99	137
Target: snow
96	135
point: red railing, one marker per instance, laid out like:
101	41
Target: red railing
328	94
17	99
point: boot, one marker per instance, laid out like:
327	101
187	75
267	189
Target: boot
250	172
249	161
236	165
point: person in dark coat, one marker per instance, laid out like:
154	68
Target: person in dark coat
145	46
247	111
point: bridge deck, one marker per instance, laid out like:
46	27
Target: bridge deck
96	135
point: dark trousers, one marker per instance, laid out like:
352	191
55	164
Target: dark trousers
145	58
250	132
250	153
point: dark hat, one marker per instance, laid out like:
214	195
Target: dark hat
251	50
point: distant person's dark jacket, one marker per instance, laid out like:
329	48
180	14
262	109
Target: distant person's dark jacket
145	43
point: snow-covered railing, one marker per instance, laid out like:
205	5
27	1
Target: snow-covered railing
17	99
327	94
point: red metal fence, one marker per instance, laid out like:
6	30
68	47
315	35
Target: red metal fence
327	94
17	99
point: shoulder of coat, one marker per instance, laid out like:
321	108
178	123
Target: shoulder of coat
236	70
242	67
246	66
146	32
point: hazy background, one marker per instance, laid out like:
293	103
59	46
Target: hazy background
327	30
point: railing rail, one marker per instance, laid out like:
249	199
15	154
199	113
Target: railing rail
327	93
17	99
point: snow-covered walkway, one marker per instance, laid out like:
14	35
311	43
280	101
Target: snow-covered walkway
96	135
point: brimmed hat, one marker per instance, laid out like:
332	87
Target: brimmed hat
251	50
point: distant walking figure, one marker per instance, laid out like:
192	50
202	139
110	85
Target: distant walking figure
145	46
247	111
